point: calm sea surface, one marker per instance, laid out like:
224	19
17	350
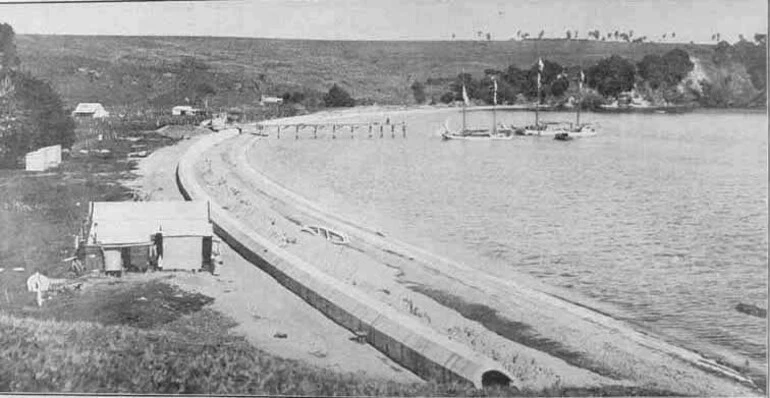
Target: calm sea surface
662	216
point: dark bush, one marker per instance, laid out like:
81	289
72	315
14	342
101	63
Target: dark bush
611	76
418	90
337	97
448	97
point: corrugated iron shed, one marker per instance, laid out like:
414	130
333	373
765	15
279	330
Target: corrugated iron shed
132	223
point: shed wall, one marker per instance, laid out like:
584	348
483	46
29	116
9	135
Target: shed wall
182	253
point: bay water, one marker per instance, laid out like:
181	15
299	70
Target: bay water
661	216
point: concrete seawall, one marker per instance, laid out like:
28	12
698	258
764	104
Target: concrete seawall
420	349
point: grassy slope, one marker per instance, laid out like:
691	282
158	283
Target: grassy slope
141	70
138	334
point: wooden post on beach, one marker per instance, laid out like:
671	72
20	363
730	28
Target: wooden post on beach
315	132
296	132
351	130
380	131
370	130
392	131
403	128
279	131
334	130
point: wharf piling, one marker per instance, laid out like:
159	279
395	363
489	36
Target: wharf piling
354	128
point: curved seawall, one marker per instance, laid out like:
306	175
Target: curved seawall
411	344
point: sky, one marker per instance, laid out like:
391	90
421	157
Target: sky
691	20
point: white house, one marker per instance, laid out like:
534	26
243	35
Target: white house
270	100
92	110
183	110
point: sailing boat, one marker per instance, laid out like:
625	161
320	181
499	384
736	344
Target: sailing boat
497	132
578	130
560	130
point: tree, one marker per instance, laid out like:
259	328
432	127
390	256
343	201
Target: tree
652	69
418	90
667	70
31	113
678	65
337	97
448	97
611	76
8	47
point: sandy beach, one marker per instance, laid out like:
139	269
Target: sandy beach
260	305
538	335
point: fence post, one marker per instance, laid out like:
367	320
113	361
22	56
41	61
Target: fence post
315	132
370	130
351	131
279	131
381	131
296	132
334	131
392	131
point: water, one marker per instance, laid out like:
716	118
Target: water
662	216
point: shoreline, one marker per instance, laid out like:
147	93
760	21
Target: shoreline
375	111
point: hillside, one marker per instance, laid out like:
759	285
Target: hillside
149	71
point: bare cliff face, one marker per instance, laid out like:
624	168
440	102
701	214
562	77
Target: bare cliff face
725	84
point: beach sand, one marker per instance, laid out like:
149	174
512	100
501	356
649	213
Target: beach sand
261	306
538	337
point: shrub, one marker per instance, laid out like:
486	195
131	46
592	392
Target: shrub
338	97
611	76
448	97
418	90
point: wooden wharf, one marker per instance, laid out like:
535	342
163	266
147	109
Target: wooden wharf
371	130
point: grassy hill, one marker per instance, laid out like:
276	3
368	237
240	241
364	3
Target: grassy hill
148	71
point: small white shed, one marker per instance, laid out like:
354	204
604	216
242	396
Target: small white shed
43	158
183	110
267	100
92	110
134	234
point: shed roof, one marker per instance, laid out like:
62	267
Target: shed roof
124	223
84	107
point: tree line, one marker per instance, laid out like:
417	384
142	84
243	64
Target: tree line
656	74
32	114
609	77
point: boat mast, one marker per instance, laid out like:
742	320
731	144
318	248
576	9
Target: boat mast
494	108
466	100
580	98
464	111
539	86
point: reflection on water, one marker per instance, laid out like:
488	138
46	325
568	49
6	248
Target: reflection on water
664	216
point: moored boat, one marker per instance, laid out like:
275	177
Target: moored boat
497	132
562	131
